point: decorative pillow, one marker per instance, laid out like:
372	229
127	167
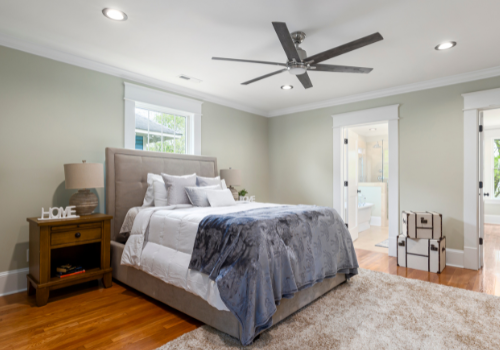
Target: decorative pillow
207	181
176	188
220	198
198	195
160	194
149	198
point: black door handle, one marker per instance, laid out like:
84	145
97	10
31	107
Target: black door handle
486	194
77	235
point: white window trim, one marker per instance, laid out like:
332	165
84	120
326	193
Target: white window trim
143	97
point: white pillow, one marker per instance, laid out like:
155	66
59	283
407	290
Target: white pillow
223	184
149	198
160	194
220	198
207	181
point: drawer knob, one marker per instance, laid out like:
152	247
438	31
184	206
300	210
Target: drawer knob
78	234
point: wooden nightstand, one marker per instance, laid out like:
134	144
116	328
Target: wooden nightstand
84	241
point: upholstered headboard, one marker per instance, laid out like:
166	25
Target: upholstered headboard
127	172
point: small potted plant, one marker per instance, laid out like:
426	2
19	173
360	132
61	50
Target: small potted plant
242	195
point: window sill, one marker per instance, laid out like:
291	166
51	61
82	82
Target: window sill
492	201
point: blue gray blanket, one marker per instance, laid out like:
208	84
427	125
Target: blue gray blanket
259	256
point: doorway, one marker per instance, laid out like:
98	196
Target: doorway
366	164
366	176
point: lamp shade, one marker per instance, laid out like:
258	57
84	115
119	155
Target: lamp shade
231	176
84	175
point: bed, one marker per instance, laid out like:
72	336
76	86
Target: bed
126	184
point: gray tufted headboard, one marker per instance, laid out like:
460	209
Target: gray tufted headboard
127	171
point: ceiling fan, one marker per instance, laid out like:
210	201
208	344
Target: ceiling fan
298	63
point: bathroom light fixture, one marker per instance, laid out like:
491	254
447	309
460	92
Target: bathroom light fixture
287	87
372	129
113	14
446	45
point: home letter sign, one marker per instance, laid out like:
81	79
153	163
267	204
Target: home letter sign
59	213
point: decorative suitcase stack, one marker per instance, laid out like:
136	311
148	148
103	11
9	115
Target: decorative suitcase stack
422	246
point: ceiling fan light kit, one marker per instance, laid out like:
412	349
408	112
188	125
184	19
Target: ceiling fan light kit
298	63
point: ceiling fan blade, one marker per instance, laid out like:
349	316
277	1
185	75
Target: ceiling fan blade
305	80
353	45
286	41
339	69
264	76
248	61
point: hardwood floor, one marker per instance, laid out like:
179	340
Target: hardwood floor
91	317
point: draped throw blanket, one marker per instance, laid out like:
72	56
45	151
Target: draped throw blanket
259	256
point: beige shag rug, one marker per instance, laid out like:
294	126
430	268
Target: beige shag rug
375	311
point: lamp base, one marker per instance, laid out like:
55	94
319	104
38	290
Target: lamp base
234	193
84	201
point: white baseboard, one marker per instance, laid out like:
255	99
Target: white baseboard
454	257
13	281
492	219
376	221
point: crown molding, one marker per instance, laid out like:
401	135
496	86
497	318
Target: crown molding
74	60
396	90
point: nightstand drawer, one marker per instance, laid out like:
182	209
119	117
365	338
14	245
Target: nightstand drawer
75	236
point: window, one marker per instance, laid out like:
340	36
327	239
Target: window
161	122
495	190
160	132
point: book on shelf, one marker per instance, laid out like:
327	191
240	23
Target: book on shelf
68	269
72	274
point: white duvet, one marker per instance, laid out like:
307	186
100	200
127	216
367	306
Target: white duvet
161	243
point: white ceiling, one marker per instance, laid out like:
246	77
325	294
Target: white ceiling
162	39
382	129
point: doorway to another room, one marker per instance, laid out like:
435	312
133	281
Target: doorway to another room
367	173
366	176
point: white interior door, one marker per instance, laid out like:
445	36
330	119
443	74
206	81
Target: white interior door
352	183
481	189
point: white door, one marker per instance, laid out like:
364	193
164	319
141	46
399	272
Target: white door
351	182
481	189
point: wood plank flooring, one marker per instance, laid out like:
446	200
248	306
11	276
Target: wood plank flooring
91	317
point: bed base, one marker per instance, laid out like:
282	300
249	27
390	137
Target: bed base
198	308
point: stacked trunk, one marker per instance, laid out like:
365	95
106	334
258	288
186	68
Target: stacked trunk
421	245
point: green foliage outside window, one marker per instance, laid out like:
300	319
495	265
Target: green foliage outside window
169	144
496	167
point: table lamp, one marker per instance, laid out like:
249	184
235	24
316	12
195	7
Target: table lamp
232	178
83	176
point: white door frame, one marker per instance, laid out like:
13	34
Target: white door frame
388	114
474	103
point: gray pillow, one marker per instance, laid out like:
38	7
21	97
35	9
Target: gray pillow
198	195
176	188
207	181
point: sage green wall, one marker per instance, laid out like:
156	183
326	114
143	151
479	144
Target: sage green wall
54	113
430	153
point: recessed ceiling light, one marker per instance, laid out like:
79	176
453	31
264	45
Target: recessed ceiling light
113	14
446	45
287	87
372	129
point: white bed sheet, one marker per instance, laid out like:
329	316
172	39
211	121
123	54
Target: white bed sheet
161	244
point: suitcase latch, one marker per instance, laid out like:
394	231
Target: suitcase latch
423	221
434	248
401	244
